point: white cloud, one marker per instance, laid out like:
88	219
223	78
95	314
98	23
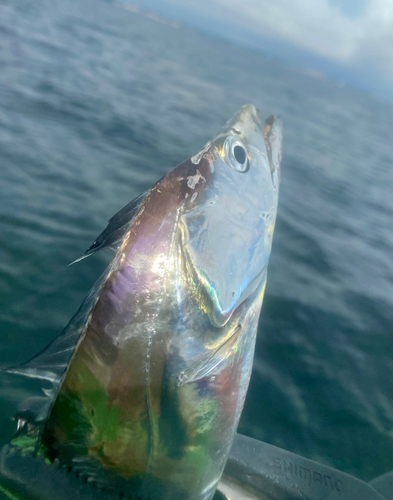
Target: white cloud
317	26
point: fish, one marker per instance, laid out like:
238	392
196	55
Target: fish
142	393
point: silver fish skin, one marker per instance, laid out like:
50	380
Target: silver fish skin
149	378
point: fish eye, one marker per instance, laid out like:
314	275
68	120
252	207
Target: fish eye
240	154
236	154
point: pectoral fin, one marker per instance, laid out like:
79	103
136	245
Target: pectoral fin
117	227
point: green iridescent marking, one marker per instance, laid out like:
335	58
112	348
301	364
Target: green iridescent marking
9	494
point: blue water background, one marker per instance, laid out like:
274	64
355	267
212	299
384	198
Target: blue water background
97	102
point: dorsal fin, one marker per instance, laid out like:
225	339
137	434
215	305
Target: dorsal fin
117	227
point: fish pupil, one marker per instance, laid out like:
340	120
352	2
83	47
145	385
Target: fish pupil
239	154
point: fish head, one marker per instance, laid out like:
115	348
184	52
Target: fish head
230	211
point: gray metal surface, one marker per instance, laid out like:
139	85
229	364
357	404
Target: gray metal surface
384	485
254	471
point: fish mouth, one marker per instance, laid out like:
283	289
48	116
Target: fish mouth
244	122
247	124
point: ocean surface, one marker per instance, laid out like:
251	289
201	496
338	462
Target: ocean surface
97	102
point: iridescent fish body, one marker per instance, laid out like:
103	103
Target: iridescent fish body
150	376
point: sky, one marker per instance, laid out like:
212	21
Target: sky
348	40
